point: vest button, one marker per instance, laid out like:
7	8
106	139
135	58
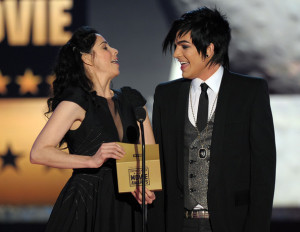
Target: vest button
192	190
192	175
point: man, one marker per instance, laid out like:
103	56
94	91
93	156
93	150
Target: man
216	136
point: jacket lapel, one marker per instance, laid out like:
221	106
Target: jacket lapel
181	112
218	130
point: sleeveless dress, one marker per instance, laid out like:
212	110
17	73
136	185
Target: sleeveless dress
90	202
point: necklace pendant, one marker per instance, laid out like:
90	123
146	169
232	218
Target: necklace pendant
202	152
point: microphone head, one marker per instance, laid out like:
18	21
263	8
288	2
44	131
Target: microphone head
140	114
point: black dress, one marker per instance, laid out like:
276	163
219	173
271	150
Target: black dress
90	201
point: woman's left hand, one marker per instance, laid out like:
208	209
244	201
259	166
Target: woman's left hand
149	196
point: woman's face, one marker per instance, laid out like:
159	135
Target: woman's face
104	58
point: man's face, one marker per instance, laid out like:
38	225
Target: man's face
193	65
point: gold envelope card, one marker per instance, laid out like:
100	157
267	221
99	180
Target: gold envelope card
129	168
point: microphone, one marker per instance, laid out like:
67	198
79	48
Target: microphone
140	114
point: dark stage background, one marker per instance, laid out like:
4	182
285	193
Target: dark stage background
265	43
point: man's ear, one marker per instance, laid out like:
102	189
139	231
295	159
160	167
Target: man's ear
210	50
87	58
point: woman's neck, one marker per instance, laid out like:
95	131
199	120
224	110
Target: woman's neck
102	86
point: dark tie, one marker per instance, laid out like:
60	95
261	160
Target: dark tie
202	107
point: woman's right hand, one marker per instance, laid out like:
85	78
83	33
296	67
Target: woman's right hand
105	152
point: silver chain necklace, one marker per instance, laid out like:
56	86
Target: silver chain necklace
202	151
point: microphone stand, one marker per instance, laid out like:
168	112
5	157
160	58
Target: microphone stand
140	114
144	208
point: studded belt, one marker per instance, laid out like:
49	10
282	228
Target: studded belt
191	214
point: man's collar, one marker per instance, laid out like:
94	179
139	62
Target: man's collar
213	82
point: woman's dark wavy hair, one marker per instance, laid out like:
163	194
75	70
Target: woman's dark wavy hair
69	69
206	26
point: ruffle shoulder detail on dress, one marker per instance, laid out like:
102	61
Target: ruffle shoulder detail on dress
133	96
76	94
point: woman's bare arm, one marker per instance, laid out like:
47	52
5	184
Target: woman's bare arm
46	152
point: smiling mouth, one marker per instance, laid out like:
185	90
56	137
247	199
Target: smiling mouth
115	62
183	63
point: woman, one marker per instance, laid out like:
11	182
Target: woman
90	117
